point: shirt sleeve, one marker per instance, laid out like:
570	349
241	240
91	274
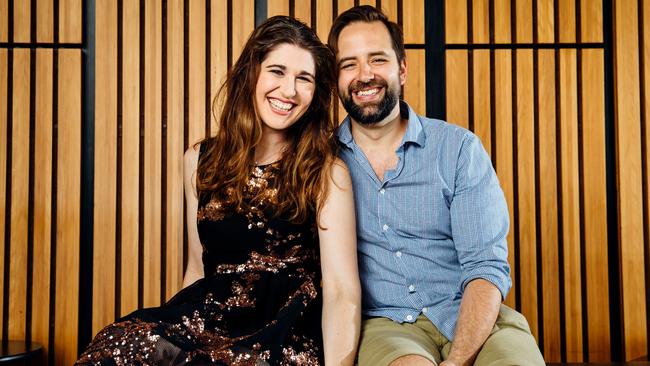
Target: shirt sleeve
479	218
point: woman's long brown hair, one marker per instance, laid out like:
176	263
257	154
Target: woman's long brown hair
226	162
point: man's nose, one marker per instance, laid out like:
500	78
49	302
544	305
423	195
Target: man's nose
365	73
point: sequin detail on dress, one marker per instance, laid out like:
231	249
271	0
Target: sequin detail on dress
259	303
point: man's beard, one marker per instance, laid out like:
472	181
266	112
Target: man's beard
383	107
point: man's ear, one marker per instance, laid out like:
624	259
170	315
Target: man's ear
402	71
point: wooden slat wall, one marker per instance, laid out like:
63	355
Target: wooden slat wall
540	112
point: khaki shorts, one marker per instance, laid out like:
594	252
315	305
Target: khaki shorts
509	343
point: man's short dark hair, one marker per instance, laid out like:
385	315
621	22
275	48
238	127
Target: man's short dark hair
367	14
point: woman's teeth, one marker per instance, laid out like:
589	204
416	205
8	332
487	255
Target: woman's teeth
280	105
364	93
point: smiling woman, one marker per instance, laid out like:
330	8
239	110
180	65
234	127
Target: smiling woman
271	228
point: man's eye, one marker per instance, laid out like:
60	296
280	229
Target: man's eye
379	60
347	66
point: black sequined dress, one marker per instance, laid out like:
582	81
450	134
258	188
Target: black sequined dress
259	303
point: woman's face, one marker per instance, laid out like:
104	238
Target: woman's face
285	86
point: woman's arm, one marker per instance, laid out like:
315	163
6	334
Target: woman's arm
341	289
194	262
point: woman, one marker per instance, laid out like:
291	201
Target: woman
269	209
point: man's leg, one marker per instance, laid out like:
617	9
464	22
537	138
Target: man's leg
385	342
510	342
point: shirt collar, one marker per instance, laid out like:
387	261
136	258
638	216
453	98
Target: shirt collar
414	132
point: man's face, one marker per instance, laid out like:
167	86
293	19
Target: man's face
370	77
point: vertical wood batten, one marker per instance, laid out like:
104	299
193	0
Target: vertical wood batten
105	189
548	219
219	57
324	15
628	162
389	7
196	66
414	27
152	153
130	205
21	18
591	12
595	205
545	21
524	17
175	147
19	194
481	100
502	32
70	21
277	7
526	189
570	203
644	49
244	11
480	21
504	149
414	89
302	11
455	21
3	169
567	21
4	20
344	5
68	206
45	21
457	92
42	201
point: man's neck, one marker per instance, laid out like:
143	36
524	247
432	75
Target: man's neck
384	134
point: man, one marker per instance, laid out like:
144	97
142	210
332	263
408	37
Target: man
431	217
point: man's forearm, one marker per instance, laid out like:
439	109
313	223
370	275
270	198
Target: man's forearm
478	312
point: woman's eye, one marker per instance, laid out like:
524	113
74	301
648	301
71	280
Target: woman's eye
277	72
304	78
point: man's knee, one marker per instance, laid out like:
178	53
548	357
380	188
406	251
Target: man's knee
412	360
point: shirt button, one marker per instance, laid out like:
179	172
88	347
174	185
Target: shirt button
409	317
424	310
382	191
385	227
398	254
411	288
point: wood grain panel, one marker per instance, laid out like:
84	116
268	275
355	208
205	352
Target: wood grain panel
19	194
502	31
591	12
4	20
70	21
548	220
595	204
219	57
67	208
22	14
481	21
415	89
524	19
571	204
545	21
244	12
196	74
457	93
324	16
413	12
369	2
45	21
277	7
175	148
152	153
302	11
455	21
628	160
344	5
389	7
504	149
130	203
105	157
42	198
567	14
645	49
482	109
3	164
526	188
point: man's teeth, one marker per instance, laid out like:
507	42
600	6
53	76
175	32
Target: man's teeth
364	93
280	105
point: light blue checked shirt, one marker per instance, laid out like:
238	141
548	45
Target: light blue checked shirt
436	222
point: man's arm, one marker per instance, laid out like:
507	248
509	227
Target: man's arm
478	312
